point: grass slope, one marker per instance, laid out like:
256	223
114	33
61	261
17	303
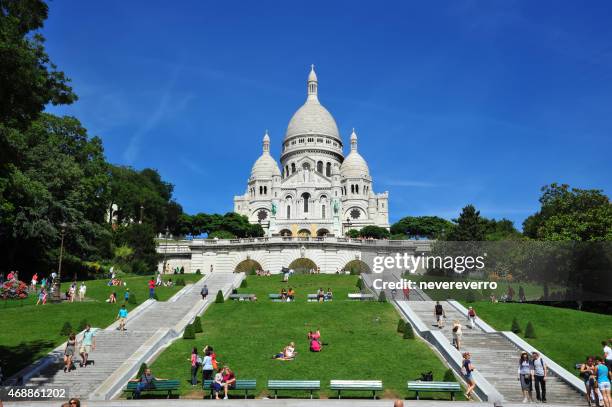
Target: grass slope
28	331
362	337
565	335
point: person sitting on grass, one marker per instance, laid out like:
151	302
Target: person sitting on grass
288	353
229	380
283	294
291	294
321	295
112	298
315	345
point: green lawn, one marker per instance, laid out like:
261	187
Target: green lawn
361	336
28	331
565	335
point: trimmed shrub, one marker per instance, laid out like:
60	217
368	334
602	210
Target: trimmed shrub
198	272
408	332
180	282
155	297
189	332
382	297
82	325
470	296
132	298
197	325
401	326
66	329
243	284
219	299
143	367
360	284
449	376
530	331
516	328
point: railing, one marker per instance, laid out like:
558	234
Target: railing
185	246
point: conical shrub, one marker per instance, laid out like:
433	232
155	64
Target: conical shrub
243	284
382	297
219	299
408	332
516	328
132	299
401	326
66	329
197	325
530	331
189	332
143	367
82	325
449	376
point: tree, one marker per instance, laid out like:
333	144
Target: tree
430	227
469	226
30	80
571	215
375	232
352	233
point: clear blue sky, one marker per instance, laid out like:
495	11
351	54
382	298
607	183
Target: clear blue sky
454	102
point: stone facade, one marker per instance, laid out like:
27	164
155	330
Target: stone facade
317	191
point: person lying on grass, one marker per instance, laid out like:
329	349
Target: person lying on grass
288	353
315	345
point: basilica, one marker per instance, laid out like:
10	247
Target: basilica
317	191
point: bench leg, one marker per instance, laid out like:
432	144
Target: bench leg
417	395
338	393
374	394
169	393
275	394
452	396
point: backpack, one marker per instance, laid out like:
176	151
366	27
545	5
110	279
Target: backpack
427	377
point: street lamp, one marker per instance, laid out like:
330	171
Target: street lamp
165	249
58	278
141	210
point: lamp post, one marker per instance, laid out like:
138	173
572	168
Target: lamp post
58	278
141	211
165	249
348	225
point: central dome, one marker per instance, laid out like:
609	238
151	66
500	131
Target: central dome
312	117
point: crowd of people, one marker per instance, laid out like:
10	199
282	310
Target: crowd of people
596	372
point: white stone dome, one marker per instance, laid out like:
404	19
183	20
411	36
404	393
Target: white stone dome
312	117
354	165
265	166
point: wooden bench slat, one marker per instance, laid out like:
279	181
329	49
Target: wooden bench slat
423	387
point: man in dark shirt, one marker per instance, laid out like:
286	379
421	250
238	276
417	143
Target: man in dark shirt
439	314
147	381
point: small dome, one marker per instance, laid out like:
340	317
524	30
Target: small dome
354	166
265	167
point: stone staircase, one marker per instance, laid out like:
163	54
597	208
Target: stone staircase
157	324
495	357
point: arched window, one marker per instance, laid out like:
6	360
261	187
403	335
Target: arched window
352	188
305	166
328	169
260	190
286	171
292	168
288	212
320	167
265	190
305	197
357	188
323	211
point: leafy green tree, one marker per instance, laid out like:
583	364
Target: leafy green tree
352	233
375	232
431	227
571	214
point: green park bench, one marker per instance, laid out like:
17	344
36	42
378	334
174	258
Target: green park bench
245	385
306	385
242	297
422	387
274	297
159	385
356	385
361	296
315	298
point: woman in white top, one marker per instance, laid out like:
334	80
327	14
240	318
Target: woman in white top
82	290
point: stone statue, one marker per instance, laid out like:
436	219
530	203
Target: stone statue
336	206
273	208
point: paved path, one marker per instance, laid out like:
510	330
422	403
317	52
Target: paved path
495	357
117	353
